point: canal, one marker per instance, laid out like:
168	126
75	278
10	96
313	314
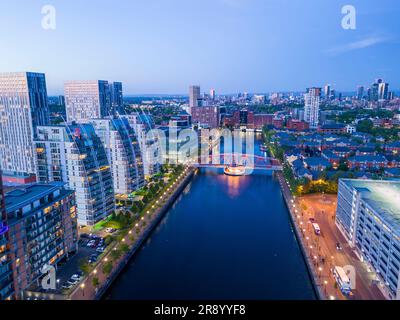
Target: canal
224	238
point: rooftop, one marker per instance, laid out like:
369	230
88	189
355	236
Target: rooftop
25	195
382	196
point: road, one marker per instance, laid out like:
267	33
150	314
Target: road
322	208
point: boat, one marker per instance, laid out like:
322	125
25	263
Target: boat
235	171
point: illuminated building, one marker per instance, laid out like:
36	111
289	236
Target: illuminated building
75	154
368	215
43	230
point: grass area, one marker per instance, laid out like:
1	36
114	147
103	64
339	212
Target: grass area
101	224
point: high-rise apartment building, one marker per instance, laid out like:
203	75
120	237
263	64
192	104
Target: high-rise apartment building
194	96
117	98
327	91
368	214
311	106
43	231
23	107
75	154
123	153
87	100
150	145
6	279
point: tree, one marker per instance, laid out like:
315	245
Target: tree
84	266
124	248
116	254
107	267
95	282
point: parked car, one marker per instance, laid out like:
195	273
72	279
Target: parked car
338	246
76	277
100	249
67	285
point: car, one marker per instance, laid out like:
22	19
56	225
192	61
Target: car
67	286
91	243
100	249
338	246
72	282
92	258
76	277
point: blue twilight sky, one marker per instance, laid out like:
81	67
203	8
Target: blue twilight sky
163	46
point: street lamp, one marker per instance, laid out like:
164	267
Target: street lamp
83	289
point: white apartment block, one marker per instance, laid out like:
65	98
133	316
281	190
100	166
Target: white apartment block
23	106
123	153
75	155
87	100
311	106
368	215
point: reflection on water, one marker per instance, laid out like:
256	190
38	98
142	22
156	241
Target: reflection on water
234	184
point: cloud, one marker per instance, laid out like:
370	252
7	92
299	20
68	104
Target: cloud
357	45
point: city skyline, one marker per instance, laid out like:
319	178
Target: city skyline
241	46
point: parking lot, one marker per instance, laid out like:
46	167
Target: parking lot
89	249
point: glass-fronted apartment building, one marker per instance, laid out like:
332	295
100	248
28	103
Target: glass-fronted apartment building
123	153
368	214
42	230
149	144
6	280
75	154
23	106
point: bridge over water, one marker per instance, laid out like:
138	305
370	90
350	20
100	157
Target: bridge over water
249	161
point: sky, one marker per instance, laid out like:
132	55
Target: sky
163	46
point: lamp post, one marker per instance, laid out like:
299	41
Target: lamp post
83	289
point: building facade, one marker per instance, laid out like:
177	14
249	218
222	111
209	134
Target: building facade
150	144
206	116
311	106
6	280
194	96
23	107
368	215
87	100
43	230
123	153
75	154
117	97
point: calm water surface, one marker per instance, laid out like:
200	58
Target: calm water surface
225	238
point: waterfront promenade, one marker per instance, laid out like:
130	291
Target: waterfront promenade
96	283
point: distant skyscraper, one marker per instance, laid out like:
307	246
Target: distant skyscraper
212	94
360	92
117	98
123	153
75	154
6	283
374	90
383	91
194	96
327	91
87	100
311	106
23	106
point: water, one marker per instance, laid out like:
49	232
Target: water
225	238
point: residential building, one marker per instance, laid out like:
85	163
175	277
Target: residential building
311	106
149	142
6	279
117	97
334	128
74	154
194	96
43	230
23	107
368	214
87	100
206	116
123	153
367	162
